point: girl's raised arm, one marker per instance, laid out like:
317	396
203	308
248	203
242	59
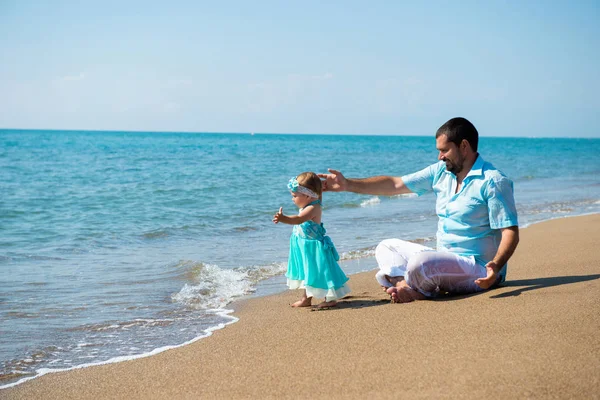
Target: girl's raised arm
306	214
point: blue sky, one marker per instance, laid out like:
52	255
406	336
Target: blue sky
513	68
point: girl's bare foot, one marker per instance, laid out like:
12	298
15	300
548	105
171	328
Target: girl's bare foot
327	304
303	302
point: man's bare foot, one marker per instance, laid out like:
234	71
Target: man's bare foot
394	280
303	302
402	293
327	304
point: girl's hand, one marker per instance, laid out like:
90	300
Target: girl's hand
278	215
334	181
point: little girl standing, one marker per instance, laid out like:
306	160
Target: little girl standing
312	263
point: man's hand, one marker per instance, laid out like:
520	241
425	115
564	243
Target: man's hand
334	181
278	215
508	244
490	279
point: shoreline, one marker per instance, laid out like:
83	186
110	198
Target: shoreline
226	313
366	296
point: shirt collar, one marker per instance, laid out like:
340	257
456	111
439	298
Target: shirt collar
476	169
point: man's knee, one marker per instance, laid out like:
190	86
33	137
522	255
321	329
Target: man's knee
417	267
384	249
418	262
385	245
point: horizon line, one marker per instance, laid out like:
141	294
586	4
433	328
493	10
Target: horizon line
283	133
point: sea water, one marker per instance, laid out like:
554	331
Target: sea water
116	245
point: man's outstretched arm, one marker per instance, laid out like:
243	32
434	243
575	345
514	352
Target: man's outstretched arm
508	244
335	181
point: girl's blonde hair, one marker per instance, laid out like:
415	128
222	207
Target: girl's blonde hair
311	181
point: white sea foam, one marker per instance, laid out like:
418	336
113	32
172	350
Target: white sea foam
214	287
407	195
371	202
355	254
258	273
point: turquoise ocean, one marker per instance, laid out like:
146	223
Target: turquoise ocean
117	245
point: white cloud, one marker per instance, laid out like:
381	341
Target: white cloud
171	107
399	83
412	81
174	83
79	77
283	91
258	85
291	79
300	77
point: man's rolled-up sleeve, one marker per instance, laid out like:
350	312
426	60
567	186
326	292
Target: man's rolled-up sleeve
421	181
501	204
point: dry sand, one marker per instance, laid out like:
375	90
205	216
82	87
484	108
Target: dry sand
538	336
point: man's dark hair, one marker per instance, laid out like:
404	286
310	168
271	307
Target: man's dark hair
458	129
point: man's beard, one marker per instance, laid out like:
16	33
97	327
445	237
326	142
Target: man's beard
455	168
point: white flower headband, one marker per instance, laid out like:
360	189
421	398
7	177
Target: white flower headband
295	187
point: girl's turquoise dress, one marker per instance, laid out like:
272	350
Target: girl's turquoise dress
312	264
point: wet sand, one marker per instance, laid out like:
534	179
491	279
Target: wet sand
537	336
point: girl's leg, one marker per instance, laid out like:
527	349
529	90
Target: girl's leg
303	302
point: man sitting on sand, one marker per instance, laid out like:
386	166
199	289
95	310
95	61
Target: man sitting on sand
477	228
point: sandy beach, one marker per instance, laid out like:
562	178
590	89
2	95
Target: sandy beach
537	336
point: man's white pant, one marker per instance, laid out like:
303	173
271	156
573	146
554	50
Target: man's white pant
427	270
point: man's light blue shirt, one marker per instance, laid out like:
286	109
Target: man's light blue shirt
470	220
